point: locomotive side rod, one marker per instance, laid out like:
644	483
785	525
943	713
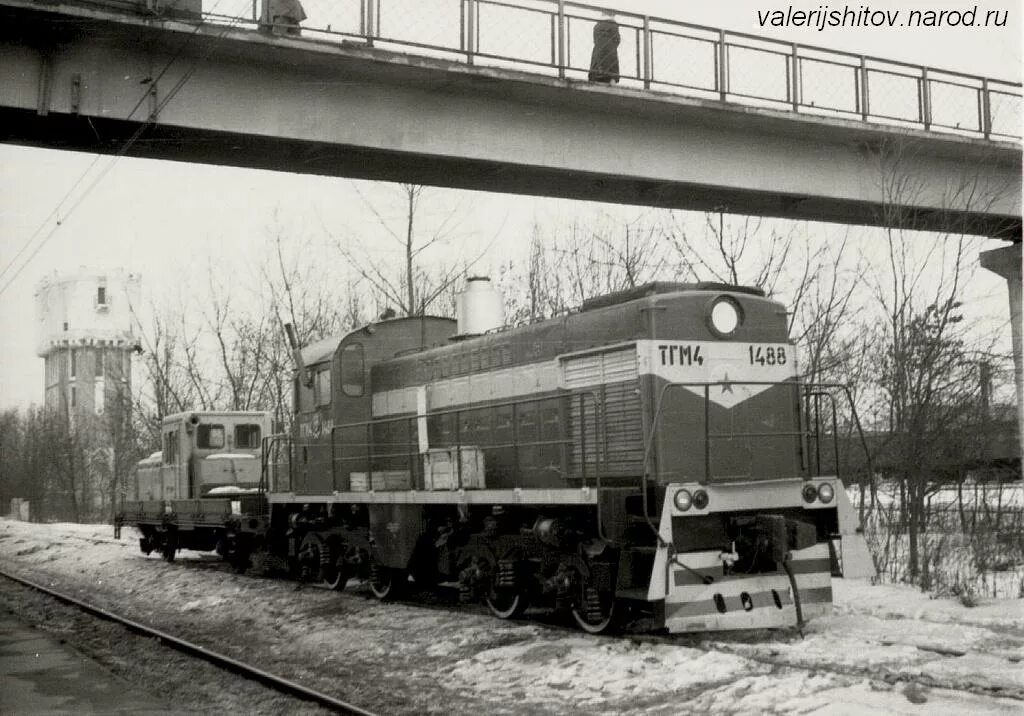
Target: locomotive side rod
225	662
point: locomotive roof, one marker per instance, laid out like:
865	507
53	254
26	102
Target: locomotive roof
178	417
601	321
324	349
658	287
321	350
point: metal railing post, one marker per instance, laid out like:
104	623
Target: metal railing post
865	95
648	53
986	109
794	88
264	18
926	99
369	455
414	461
515	443
707	434
458	447
561	39
602	457
371	22
334	477
723	67
471	32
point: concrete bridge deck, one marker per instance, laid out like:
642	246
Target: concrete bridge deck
85	77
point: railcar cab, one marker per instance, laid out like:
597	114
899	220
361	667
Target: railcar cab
332	434
192	493
204	454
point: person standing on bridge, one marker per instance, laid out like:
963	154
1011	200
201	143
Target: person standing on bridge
285	16
604	60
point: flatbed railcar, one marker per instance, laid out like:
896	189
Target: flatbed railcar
652	451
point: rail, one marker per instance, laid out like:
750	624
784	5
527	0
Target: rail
223	661
554	38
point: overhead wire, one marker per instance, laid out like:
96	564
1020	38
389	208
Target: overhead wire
151	81
96	159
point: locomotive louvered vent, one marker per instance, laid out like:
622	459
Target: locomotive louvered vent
659	287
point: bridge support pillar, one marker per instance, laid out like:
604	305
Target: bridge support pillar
1006	262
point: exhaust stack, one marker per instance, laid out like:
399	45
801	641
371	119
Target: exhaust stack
479	307
300	365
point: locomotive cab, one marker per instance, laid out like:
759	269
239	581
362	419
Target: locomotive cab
333	436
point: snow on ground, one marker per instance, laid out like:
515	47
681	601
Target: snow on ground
886	649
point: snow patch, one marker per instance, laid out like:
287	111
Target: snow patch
596	671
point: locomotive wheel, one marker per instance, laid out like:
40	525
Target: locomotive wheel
505	602
335	578
596	612
239	562
387	583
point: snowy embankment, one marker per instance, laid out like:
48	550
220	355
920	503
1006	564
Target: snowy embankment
887	649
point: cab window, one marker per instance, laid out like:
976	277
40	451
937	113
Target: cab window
352	370
210	437
171	447
322	387
247	436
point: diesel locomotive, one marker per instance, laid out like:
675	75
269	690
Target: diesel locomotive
652	452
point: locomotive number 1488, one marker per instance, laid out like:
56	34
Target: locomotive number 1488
767	355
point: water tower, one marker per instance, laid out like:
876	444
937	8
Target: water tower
85	329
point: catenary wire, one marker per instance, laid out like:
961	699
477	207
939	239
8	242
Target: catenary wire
120	153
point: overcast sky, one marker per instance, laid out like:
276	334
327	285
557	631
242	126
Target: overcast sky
159	218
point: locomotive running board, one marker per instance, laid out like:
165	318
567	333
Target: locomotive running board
517	496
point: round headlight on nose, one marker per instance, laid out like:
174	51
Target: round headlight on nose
826	492
810	493
700	499
683	500
725	316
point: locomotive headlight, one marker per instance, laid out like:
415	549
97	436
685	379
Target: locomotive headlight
725	316
683	500
810	493
826	492
700	499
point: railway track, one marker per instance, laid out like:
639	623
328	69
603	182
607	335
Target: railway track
742	646
272	681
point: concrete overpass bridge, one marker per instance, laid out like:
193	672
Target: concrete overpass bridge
492	95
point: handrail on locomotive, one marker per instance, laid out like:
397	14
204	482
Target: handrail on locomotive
275	443
810	435
817	391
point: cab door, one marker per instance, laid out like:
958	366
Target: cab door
170	469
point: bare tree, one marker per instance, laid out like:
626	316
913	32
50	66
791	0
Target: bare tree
927	372
731	251
423	279
587	257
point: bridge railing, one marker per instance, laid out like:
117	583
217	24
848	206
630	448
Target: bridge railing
554	37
